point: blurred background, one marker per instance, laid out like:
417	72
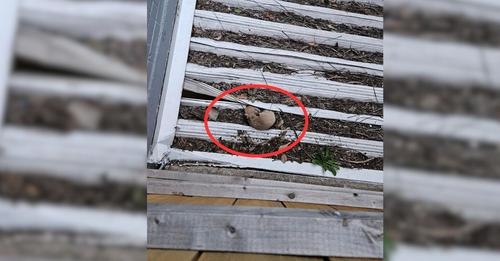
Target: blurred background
442	129
73	129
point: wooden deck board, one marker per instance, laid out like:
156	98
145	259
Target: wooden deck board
174	255
259	203
174	199
222	256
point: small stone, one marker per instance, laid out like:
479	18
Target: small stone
213	114
260	120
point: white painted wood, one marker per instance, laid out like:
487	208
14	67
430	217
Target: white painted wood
229	132
373	2
336	16
460	127
87	19
78	156
174	80
265	230
297	84
191	184
291	59
404	252
9	16
473	198
225	160
315	113
66	54
461	65
71	87
480	10
125	228
228	22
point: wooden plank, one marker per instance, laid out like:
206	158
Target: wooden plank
9	15
126	228
168	182
353	259
410	252
336	16
296	83
314	112
54	51
178	199
292	59
177	255
224	256
258	203
239	24
119	20
473	198
29	83
456	64
306	205
229	132
225	160
88	157
265	230
172	86
461	127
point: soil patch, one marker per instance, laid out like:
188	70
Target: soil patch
428	96
341	105
442	154
36	188
291	18
429	224
213	61
441	26
71	114
349	6
291	45
300	153
293	122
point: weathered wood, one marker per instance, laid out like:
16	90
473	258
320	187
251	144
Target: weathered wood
265	230
306	205
409	252
88	158
258	203
191	184
173	83
292	59
177	199
239	24
473	198
224	256
174	255
460	127
72	87
229	132
336	16
63	53
225	160
314	112
297	84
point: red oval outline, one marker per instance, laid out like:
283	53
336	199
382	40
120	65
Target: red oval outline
256	86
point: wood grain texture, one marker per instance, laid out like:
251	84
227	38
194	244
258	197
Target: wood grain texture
171	255
176	199
258	203
192	184
265	230
220	256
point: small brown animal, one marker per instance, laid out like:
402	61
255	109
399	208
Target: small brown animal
260	120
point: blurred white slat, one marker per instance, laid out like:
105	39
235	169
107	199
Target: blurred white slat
460	127
405	252
291	59
77	156
336	16
226	160
9	17
124	229
238	24
229	132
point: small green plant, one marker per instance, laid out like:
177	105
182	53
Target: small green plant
326	161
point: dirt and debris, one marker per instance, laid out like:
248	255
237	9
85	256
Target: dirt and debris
445	155
67	114
294	122
428	224
349	6
291	45
132	53
425	95
36	188
300	153
292	18
213	61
